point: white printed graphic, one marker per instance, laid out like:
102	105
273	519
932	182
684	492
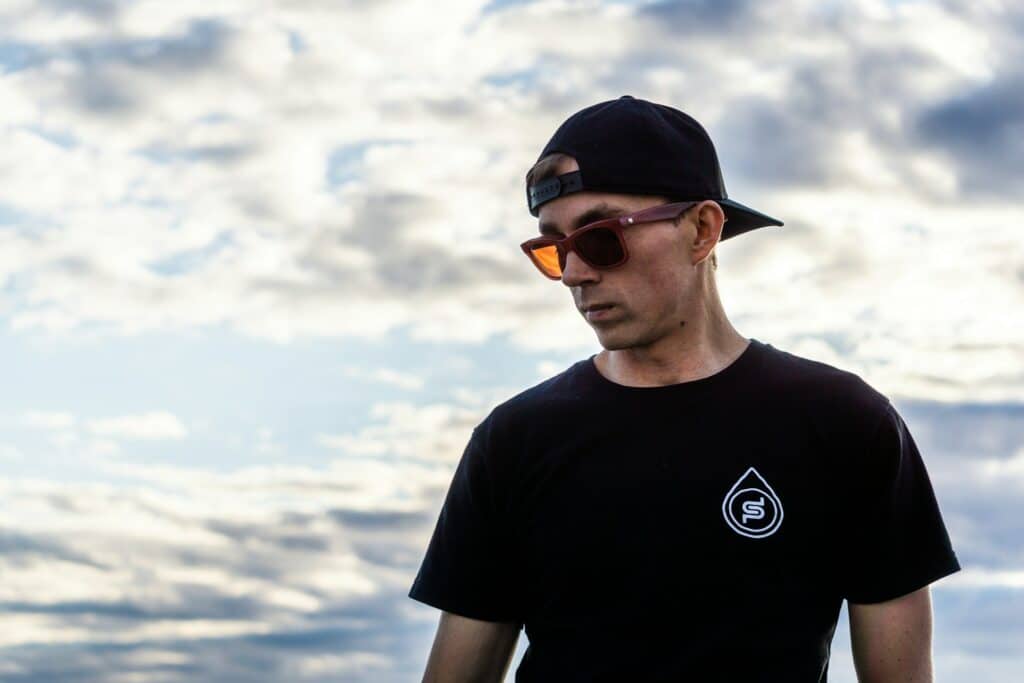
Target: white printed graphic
752	510
751	507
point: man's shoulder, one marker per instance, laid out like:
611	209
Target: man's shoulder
535	410
541	398
816	384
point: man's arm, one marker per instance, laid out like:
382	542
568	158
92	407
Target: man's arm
892	640
470	651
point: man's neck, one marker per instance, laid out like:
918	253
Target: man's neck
683	361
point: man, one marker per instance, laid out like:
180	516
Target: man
688	504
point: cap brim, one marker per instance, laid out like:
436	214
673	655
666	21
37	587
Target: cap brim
742	219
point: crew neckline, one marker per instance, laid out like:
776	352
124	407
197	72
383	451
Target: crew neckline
724	379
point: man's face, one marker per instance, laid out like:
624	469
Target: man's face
654	291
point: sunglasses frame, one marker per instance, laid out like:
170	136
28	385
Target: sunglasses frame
567	244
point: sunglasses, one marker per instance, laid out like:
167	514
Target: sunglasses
600	244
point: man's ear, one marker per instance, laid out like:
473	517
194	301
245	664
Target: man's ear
709	220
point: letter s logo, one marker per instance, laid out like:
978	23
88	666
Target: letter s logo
753	510
751	507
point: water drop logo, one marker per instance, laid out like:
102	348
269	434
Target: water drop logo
751	507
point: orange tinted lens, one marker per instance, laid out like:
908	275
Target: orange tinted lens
547	259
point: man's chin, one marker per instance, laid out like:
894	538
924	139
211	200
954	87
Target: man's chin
613	342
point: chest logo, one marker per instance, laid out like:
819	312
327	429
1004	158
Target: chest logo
751	507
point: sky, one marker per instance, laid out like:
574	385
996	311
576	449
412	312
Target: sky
260	277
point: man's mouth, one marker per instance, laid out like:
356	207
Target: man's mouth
599	312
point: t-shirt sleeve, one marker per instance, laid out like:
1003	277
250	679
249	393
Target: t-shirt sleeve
468	566
894	539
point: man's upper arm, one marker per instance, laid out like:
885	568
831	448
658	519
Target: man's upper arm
892	640
470	650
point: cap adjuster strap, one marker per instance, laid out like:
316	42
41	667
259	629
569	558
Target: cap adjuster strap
551	188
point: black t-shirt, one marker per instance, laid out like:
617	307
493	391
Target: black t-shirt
707	530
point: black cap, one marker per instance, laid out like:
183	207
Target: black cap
633	146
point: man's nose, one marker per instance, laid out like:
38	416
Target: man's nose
576	271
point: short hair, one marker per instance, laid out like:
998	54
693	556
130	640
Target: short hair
547	167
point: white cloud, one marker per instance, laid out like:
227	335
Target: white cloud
154	425
999	471
48	420
208	145
971	578
171	557
323	169
435	432
130	148
402	380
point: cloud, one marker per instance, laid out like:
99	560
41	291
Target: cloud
693	16
428	432
353	171
980	131
151	425
401	380
278	564
388	235
68	429
212	167
48	420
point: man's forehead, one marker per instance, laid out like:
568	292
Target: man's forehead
587	211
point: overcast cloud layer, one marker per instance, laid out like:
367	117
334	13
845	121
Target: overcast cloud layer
261	277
